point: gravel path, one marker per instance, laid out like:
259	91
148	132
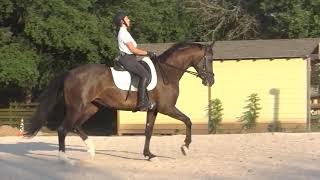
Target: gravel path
224	156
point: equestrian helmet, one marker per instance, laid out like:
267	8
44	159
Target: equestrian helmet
118	17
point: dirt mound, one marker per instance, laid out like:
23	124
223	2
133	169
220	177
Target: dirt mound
8	131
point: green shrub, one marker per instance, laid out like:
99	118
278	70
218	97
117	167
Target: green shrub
250	116
215	115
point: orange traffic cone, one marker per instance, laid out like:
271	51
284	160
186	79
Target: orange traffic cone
21	129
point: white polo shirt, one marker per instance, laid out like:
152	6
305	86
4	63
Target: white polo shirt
124	37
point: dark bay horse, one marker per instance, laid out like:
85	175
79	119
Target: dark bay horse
84	88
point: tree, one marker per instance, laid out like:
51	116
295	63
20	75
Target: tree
290	19
68	30
222	20
153	21
18	64
69	33
64	34
315	73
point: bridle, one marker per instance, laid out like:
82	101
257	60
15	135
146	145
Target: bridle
202	71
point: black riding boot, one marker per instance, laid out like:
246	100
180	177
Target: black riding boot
143	101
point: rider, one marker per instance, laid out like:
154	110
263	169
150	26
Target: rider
128	51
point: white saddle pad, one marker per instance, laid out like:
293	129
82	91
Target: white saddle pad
122	78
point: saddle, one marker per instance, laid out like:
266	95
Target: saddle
123	79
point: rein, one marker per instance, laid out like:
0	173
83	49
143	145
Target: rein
180	69
183	70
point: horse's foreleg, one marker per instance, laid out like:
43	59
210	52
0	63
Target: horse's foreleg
177	114
151	117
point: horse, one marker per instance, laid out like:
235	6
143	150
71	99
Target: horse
83	88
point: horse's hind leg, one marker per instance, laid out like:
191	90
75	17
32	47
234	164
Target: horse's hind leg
62	133
63	130
89	111
86	140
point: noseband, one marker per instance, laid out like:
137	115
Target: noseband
203	70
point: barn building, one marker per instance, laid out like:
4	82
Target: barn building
278	70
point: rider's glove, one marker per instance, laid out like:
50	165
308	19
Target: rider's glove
151	54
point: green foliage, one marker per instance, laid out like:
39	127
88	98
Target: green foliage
230	19
154	20
68	29
18	66
18	62
164	21
6	9
315	73
290	19
215	115
39	39
222	20
250	116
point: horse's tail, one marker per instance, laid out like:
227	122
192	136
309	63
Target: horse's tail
47	101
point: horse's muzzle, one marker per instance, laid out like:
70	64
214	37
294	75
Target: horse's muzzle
208	81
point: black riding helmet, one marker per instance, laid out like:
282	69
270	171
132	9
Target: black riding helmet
118	17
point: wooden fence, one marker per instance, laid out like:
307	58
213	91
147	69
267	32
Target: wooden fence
12	116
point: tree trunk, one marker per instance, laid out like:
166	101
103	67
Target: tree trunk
28	95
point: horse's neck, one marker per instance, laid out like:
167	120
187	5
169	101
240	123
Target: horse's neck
173	69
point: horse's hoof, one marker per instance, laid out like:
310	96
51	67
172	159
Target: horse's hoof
68	161
65	159
90	147
71	162
154	159
151	157
92	153
184	150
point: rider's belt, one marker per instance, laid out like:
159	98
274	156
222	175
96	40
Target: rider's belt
123	54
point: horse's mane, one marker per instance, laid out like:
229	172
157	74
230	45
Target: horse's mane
176	47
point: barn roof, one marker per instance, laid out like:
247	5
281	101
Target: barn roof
255	49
